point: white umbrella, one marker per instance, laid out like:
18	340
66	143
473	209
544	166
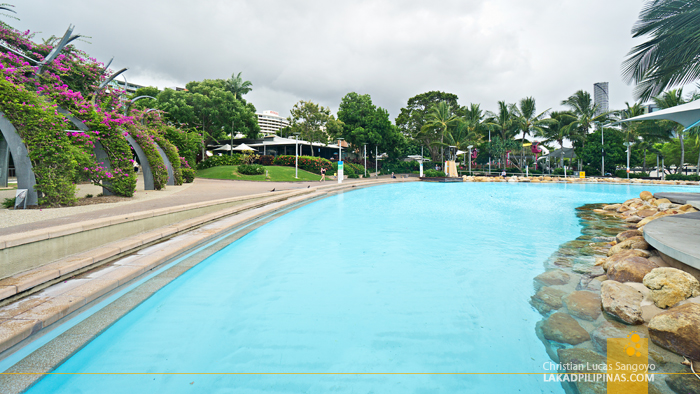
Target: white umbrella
226	147
244	147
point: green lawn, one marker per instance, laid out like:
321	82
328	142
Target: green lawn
276	174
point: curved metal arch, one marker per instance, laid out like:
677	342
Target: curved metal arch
168	165
20	156
145	166
101	156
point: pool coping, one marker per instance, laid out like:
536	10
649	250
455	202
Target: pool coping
44	312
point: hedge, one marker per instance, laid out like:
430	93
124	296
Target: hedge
215	161
251	169
306	163
681	177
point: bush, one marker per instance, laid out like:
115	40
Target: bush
266	160
188	175
306	163
402	167
623	174
216	161
559	171
681	177
430	173
251	169
8	202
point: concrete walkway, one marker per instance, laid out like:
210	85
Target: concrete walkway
13	222
677	236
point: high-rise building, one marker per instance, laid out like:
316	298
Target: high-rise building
601	97
271	122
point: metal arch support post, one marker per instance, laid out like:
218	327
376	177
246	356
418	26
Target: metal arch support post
146	168
67	38
168	165
101	156
5	162
20	156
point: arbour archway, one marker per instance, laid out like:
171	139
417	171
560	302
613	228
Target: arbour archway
20	156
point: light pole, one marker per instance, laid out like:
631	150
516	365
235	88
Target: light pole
489	151
629	146
231	151
376	158
296	155
340	161
365	160
470	158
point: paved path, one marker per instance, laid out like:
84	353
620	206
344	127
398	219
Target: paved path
202	189
677	236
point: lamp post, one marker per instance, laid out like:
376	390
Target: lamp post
629	146
470	158
365	160
231	151
340	160
296	155
489	151
376	158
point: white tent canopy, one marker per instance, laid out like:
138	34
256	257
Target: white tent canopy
687	114
244	147
226	147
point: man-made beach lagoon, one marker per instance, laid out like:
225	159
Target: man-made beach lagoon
405	288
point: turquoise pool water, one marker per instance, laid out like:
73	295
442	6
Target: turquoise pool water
416	277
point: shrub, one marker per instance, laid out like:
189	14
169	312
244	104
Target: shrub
88	195
251	169
188	175
681	177
623	174
216	161
430	173
266	160
559	171
306	163
8	202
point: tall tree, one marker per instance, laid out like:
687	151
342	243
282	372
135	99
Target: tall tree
364	123
558	129
669	56
309	120
503	122
585	111
529	121
441	118
415	115
238	86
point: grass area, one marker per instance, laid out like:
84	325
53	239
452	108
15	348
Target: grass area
276	174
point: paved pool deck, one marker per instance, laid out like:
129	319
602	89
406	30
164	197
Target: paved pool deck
201	190
677	236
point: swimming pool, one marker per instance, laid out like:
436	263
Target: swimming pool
405	278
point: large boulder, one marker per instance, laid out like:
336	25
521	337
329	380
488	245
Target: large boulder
678	330
553	278
609	329
630	243
645	213
562	328
612	207
661	201
622	302
631	269
575	357
646	196
547	299
684	384
670	286
583	304
610	261
628	234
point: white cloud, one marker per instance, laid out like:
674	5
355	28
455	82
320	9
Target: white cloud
483	51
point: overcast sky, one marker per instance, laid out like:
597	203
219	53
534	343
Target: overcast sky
483	51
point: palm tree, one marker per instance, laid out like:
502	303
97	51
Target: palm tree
441	118
670	99
586	112
669	57
238	86
503	122
644	134
528	121
558	129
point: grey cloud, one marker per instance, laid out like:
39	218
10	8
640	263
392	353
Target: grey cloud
483	51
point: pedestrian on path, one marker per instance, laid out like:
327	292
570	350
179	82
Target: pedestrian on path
323	174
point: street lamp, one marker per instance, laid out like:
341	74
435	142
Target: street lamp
489	151
629	148
296	155
340	161
365	160
470	158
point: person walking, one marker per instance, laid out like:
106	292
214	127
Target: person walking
323	174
